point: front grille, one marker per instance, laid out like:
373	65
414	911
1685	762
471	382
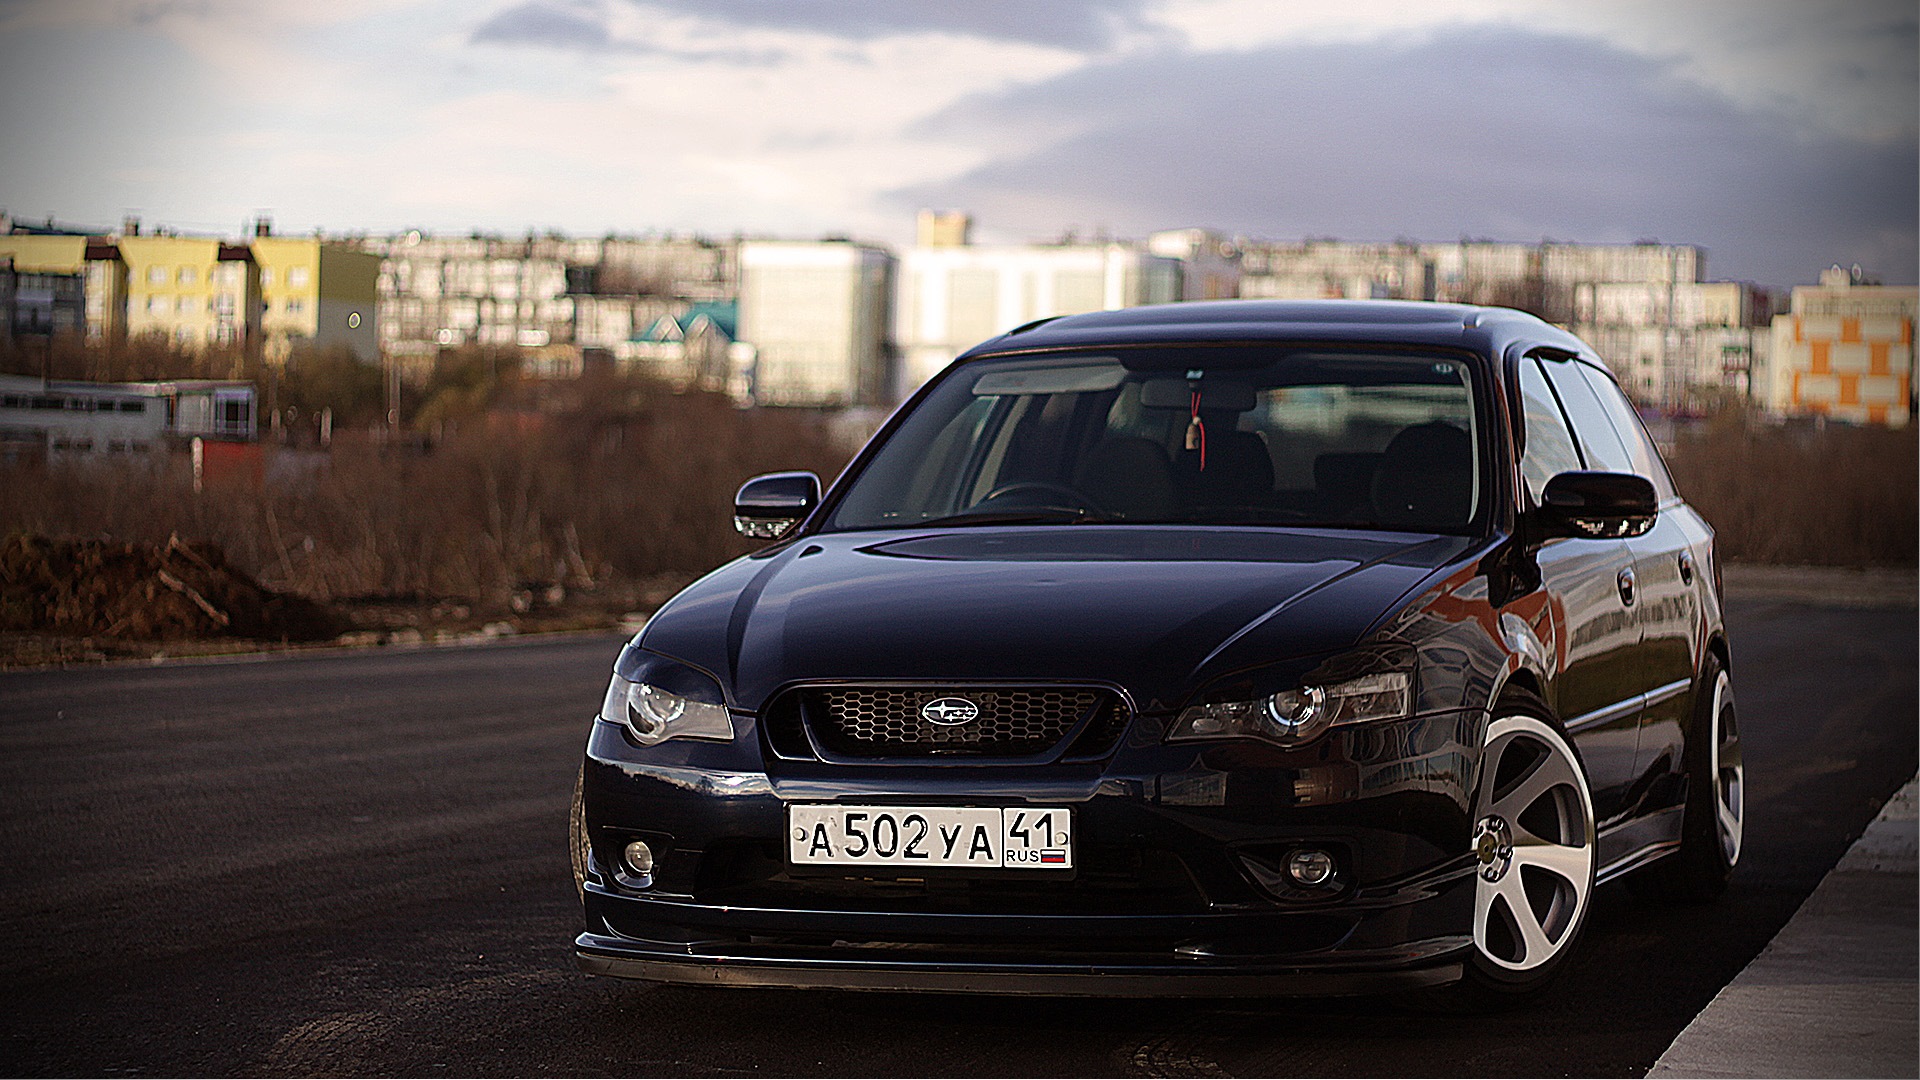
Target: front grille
879	721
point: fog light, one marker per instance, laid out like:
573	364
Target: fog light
639	859
1310	868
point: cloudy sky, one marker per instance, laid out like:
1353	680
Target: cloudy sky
1778	134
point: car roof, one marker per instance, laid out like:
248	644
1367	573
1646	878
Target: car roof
1487	330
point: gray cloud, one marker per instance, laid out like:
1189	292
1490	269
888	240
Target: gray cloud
1080	25
1494	133
582	28
556	26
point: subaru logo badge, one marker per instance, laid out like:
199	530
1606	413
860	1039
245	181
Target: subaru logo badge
950	711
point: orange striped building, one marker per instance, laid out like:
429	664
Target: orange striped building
1845	350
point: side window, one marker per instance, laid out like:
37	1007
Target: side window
1598	440
1626	422
1550	449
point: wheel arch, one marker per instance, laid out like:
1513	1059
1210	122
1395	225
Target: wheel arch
1718	648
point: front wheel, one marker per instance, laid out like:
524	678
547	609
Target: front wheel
1533	848
577	835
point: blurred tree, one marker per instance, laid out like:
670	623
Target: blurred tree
334	378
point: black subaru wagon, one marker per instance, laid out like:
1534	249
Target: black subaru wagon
1214	648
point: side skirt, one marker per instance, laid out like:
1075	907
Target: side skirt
1633	844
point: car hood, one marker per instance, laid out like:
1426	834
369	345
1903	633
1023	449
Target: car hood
1156	610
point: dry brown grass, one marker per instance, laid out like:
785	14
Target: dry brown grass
1830	495
624	482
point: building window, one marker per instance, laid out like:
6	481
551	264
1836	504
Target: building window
186	276
156	275
297	277
295	307
186	305
266	275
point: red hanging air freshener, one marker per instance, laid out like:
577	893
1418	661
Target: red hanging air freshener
1197	431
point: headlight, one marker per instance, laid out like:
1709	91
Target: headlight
1295	716
654	715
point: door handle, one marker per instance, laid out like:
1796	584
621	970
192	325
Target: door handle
1625	582
1686	568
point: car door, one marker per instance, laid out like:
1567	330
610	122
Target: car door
1667	563
1597	688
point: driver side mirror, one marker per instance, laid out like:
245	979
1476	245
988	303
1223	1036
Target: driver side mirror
1597	505
767	506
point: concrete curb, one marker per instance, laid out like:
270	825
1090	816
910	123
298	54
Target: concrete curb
1834	993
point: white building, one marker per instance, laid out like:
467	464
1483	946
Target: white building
813	323
54	420
440	292
1675	343
1335	270
1209	262
952	298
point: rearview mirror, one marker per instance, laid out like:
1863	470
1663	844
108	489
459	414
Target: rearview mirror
769	505
1597	504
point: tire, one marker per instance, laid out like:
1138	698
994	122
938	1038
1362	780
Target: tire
1535	860
577	835
1714	824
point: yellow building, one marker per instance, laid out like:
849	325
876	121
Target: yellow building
316	294
1845	350
194	291
283	293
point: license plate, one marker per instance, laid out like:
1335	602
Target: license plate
1014	837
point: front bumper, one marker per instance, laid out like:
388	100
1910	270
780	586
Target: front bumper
1166	898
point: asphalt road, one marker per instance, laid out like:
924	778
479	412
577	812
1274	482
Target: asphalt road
356	863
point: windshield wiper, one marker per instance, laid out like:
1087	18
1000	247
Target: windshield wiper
1034	516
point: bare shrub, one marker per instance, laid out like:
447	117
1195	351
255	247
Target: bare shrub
1830	495
609	479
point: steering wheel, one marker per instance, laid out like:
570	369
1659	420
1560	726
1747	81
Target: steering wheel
1074	500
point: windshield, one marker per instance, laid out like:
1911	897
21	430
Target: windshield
1231	436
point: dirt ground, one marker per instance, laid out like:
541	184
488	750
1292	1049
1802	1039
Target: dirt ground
89	601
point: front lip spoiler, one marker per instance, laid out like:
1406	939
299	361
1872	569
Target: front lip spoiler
1063	980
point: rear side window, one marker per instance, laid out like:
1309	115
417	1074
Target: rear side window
1550	447
1626	423
1602	445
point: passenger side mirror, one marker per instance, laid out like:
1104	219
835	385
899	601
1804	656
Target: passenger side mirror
1597	504
769	505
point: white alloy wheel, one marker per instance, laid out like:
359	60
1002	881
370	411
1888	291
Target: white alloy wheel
1534	846
1729	775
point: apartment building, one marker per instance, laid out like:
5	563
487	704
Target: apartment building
193	291
1209	262
440	292
813	324
95	261
1679	344
1844	349
952	297
316	294
283	293
1333	270
40	304
558	294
